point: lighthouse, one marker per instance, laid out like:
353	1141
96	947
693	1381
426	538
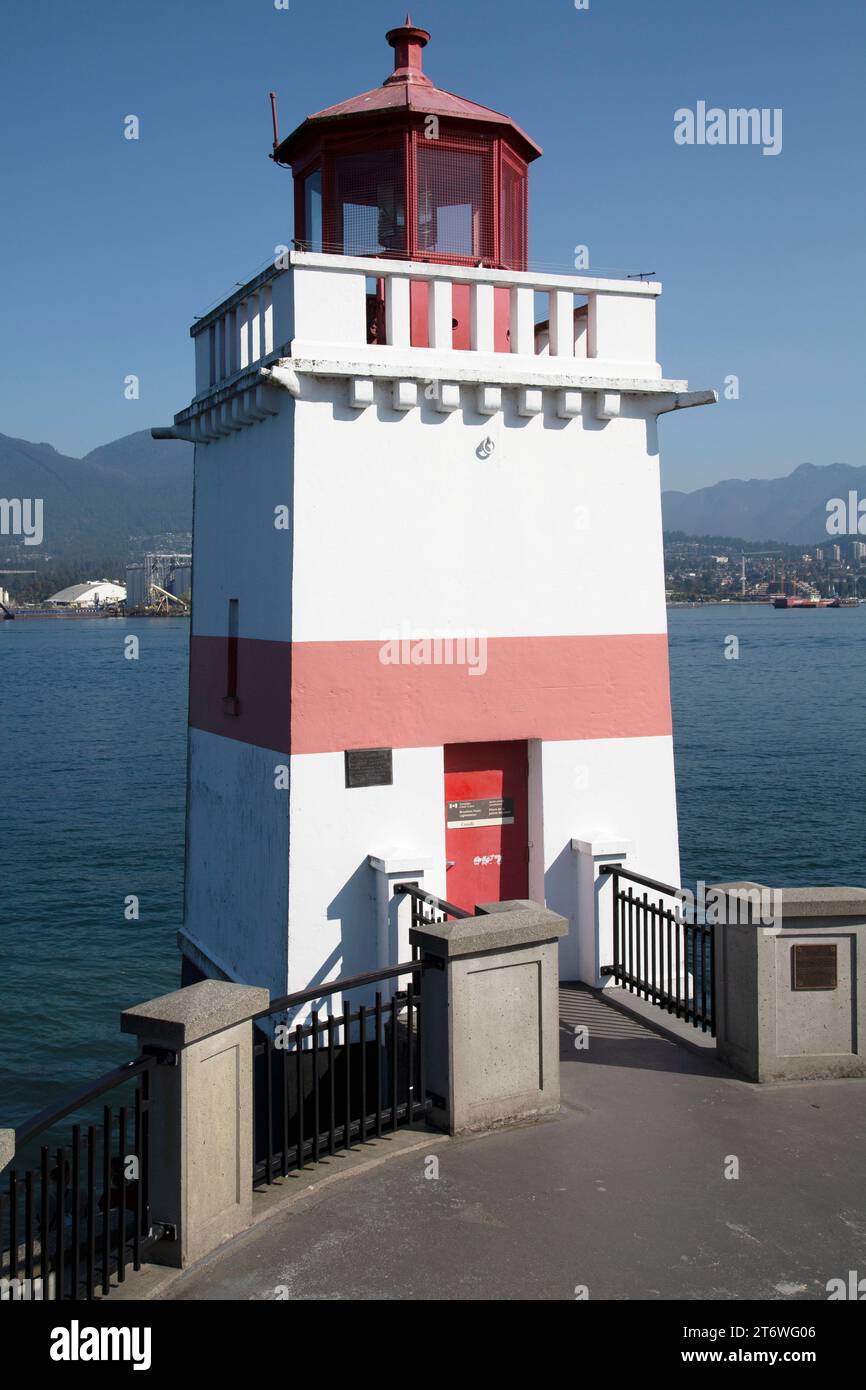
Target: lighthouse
429	634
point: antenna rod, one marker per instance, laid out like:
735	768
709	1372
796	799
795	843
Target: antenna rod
273	97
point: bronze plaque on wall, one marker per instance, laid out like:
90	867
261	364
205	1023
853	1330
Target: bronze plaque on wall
369	767
814	967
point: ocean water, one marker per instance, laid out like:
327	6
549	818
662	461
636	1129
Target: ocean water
92	786
93	750
766	745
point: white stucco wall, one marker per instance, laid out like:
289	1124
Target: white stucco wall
236	896
607	789
239	553
558	532
333	927
236	899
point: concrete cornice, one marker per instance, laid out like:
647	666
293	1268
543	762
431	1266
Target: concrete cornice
254	394
475	368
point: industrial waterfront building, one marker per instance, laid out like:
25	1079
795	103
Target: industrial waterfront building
92	593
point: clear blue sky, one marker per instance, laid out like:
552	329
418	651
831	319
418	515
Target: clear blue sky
109	246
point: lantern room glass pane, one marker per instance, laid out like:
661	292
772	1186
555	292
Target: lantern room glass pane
455	199
369	217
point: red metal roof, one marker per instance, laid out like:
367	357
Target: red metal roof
408	89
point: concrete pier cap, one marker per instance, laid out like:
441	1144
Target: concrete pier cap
188	1015
490	992
793	904
496	927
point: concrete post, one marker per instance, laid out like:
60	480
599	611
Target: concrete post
491	1015
784	1010
594	912
201	1122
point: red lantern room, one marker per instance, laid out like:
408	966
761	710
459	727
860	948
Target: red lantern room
409	170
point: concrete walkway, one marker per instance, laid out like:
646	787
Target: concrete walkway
625	1193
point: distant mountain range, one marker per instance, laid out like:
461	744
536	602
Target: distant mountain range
126	497
790	509
135	494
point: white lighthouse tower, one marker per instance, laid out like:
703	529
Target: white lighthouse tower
429	632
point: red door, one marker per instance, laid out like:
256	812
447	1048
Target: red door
486	823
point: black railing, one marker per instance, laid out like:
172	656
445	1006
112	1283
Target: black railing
426	908
335	1082
658	953
81	1216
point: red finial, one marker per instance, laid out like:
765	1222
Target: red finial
407	43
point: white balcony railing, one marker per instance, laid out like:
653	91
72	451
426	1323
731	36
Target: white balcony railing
333	310
236	335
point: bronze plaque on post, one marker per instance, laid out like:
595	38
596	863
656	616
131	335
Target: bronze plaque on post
814	967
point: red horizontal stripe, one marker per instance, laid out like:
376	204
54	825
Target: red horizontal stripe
319	697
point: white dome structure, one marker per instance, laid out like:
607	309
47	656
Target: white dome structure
93	593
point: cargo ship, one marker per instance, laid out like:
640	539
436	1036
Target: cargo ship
784	601
106	610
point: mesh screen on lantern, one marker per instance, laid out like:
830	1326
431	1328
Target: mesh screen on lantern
313	210
370	201
455	196
513	217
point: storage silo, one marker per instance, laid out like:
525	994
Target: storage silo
135	591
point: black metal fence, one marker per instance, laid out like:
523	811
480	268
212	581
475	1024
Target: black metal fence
658	953
81	1216
335	1082
427	909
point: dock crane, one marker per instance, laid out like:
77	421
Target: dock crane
161	604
